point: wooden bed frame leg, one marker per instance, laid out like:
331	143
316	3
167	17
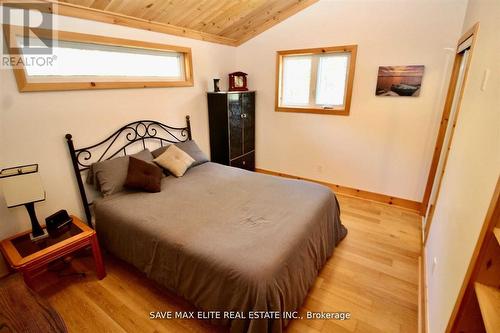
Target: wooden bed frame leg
99	264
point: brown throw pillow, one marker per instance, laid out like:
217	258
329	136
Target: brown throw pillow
143	176
109	176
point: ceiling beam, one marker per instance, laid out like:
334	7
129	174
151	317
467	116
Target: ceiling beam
67	9
100	15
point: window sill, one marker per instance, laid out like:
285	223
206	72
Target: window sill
336	112
62	86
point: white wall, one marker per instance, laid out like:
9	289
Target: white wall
33	125
386	144
471	173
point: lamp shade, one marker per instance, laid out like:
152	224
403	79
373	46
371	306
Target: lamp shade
21	185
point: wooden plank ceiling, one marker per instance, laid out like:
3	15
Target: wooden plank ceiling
230	22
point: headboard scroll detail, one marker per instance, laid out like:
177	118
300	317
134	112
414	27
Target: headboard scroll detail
117	143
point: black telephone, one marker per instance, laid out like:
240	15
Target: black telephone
58	220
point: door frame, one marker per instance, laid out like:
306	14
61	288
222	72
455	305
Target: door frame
471	33
477	261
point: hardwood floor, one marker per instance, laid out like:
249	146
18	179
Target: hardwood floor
373	274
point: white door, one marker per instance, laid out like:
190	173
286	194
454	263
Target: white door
463	51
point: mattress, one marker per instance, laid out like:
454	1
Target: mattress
226	239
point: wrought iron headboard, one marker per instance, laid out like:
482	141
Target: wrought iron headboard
118	142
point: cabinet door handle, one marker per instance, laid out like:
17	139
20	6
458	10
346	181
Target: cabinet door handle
244	162
243	115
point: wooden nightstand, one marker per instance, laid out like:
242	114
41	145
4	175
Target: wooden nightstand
26	256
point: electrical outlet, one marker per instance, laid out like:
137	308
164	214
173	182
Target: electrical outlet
434	264
486	76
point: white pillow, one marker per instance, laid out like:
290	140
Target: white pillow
174	160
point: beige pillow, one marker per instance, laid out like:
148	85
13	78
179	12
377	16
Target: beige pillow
174	160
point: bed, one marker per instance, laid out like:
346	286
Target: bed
225	239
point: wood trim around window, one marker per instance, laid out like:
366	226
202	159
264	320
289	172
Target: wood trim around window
352	49
25	86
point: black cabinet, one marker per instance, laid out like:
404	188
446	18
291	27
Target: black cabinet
231	117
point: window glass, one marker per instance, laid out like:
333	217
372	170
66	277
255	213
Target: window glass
296	80
331	79
76	59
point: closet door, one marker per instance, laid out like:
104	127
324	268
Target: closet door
235	115
248	104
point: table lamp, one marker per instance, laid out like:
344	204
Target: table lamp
22	186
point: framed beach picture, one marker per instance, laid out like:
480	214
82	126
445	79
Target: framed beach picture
399	80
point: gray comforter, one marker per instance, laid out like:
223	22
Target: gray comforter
226	239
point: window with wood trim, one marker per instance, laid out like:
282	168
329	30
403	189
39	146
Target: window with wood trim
315	80
81	61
